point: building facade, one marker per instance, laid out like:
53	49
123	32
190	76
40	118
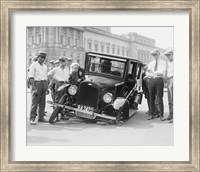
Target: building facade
74	42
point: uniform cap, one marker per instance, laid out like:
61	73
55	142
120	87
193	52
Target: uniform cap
155	51
69	59
42	54
57	61
62	58
51	61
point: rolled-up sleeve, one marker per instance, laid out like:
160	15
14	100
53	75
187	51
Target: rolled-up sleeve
32	71
51	72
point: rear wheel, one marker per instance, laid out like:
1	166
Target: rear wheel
57	109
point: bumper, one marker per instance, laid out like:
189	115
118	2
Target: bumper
94	115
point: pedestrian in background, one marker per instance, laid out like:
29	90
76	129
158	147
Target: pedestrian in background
56	63
39	88
169	80
156	72
51	64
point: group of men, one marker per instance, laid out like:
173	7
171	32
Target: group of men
42	79
157	74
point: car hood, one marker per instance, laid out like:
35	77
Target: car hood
102	81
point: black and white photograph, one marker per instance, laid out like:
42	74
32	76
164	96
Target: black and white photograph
99	86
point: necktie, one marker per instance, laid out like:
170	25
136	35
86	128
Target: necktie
156	66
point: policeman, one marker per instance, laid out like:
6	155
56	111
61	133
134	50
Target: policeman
39	86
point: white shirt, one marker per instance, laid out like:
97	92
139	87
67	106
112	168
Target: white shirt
59	74
38	71
170	69
161	68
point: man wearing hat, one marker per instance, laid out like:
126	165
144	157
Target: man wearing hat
39	87
169	80
60	75
51	64
69	62
56	63
156	72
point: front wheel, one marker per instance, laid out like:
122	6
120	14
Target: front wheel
57	109
123	113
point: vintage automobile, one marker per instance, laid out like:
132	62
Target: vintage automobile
111	88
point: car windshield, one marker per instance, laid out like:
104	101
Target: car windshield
107	66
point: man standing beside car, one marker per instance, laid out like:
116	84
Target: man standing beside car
169	80
156	72
39	88
60	75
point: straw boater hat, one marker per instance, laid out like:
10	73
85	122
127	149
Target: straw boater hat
155	51
168	52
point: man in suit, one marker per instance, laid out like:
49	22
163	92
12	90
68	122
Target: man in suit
156	72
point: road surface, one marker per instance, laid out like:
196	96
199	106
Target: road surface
137	131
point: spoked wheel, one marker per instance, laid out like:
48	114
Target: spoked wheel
57	109
123	113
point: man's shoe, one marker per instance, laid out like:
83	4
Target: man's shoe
51	122
169	118
162	118
41	120
32	122
171	121
156	116
150	118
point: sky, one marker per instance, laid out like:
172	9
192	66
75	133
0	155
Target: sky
162	35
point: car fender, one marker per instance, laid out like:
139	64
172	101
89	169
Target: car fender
62	87
119	102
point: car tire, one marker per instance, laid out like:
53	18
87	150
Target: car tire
123	113
57	109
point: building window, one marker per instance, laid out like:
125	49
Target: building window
69	41
63	40
127	53
96	47
113	49
118	51
77	42
89	46
108	49
123	51
102	48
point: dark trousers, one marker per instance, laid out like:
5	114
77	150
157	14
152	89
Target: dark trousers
155	87
38	99
146	94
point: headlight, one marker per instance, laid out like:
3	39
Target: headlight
72	90
107	98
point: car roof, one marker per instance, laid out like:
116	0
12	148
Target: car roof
115	56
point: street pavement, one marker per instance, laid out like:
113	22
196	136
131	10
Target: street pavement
137	131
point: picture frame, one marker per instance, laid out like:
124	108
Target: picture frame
7	7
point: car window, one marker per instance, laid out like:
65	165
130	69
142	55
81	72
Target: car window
106	66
